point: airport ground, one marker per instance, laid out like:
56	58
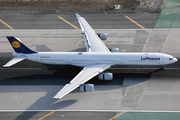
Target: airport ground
30	86
135	93
97	21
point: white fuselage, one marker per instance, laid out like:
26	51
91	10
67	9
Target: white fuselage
84	58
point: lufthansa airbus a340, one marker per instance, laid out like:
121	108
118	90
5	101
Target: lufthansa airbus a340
94	61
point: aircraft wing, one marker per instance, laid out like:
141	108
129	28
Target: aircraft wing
86	74
92	41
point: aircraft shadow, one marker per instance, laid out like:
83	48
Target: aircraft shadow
60	77
52	104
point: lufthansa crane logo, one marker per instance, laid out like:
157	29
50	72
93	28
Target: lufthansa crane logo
15	44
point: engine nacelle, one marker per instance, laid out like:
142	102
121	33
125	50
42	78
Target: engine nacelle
86	87
105	76
103	36
114	49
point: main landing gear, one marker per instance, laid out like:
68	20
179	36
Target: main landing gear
162	67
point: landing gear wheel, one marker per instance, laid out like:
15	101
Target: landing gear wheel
162	68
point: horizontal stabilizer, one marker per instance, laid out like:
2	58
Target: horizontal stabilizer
14	61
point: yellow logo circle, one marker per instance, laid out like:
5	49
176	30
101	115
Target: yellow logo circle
15	44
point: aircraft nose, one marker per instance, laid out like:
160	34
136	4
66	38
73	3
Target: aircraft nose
175	59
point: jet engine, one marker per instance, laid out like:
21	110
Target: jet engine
105	76
114	49
86	87
103	36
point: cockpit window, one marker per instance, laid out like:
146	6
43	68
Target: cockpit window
171	58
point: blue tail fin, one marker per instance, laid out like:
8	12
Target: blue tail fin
18	46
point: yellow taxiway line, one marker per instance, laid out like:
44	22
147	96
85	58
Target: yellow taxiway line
68	22
117	115
135	22
6	24
46	115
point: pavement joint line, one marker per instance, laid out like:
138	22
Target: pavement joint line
109	68
68	22
26	70
6	24
117	115
144	68
172	111
135	22
150	72
46	115
20	68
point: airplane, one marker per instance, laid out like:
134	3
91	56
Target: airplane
94	61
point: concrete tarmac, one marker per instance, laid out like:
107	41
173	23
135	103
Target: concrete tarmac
140	88
97	21
63	115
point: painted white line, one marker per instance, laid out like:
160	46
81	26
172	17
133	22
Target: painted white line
162	29
142	68
20	68
89	111
109	68
171	68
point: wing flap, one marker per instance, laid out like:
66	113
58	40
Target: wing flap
14	61
86	74
87	43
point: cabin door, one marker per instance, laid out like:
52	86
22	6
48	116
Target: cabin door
68	60
121	60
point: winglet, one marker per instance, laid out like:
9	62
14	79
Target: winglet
77	15
65	90
18	46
